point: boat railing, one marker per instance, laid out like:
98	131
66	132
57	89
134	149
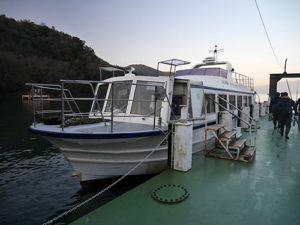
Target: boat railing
243	80
248	122
70	104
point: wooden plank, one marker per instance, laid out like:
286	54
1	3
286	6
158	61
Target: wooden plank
215	127
237	143
227	135
248	151
218	154
221	154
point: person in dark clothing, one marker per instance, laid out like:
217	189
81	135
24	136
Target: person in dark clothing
285	108
298	111
273	109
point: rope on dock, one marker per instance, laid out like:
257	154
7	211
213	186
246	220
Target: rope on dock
109	186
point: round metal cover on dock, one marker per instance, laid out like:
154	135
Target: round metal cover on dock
170	193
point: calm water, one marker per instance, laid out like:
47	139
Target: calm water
36	182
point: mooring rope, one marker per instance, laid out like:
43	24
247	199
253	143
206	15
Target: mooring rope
109	186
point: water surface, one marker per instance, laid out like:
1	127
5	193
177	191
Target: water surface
36	181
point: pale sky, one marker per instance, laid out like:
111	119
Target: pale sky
148	31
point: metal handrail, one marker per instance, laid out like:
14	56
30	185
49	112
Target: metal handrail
249	125
243	79
64	98
236	108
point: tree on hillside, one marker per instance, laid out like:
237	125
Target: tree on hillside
37	53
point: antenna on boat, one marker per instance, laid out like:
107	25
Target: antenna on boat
215	51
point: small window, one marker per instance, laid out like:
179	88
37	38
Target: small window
222	102
210	104
197	100
249	100
144	98
245	101
121	93
239	101
99	102
232	101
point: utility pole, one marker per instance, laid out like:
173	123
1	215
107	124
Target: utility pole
285	66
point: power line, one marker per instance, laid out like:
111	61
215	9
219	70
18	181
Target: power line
267	34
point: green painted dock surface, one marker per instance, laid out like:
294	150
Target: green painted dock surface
266	191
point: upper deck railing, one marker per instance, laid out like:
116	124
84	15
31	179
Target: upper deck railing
243	80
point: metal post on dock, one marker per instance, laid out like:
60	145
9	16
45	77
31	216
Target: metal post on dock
33	106
154	115
62	107
255	133
42	108
205	139
170	143
112	108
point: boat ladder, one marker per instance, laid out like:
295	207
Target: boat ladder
228	145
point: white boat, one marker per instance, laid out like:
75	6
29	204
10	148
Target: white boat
122	128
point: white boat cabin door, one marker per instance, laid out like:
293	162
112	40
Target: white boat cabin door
189	94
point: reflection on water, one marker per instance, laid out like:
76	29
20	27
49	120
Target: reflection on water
36	182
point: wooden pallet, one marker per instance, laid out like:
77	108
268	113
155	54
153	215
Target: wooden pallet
246	155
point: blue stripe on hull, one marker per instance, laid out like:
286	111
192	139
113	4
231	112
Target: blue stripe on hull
104	136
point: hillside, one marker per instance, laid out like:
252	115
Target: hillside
37	53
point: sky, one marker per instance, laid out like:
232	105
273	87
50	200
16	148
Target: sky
146	32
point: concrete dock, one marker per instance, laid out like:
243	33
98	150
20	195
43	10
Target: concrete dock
266	191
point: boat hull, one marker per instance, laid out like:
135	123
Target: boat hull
98	159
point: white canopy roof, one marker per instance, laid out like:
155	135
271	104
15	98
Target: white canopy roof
110	69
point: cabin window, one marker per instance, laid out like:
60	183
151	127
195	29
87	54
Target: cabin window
197	100
239	101
144	98
232	101
222	102
210	104
101	94
190	110
121	91
180	97
249	100
245	101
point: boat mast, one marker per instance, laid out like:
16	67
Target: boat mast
215	51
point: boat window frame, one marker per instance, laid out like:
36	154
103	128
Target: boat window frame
239	101
249	100
233	103
107	113
133	95
245	101
220	101
210	104
96	95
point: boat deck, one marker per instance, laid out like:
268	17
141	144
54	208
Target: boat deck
266	191
97	128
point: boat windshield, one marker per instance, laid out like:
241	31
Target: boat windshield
144	98
121	93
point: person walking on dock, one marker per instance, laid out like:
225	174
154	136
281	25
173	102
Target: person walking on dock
274	109
285	108
298	112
